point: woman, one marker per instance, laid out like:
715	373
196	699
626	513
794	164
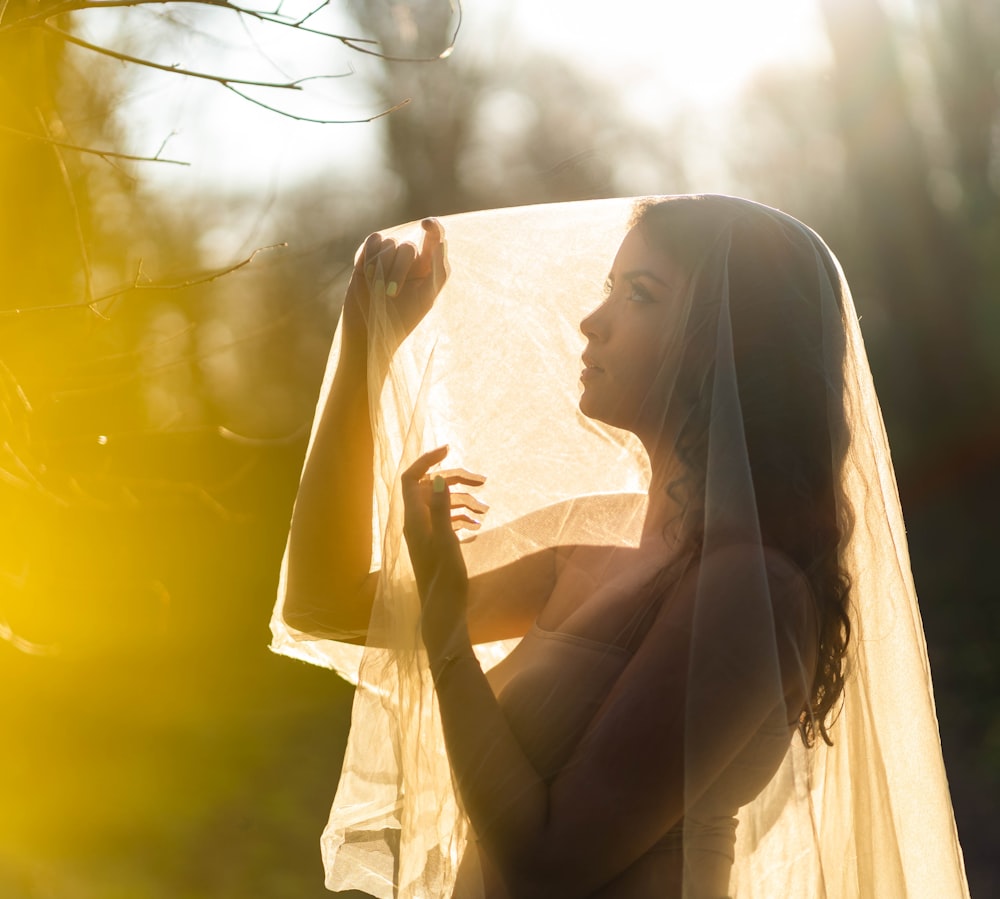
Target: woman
669	645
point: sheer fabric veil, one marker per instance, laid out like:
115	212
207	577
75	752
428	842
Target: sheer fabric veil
493	372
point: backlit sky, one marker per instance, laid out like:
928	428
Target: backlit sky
661	54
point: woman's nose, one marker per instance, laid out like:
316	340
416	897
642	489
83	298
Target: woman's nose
593	323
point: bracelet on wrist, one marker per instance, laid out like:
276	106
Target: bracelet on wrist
449	662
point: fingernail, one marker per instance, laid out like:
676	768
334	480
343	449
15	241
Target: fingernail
379	285
438	484
370	270
392	289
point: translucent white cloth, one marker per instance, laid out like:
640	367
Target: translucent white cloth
493	372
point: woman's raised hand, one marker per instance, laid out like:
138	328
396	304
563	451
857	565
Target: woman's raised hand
432	514
410	280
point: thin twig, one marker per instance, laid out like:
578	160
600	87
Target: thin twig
178	70
199	279
136	286
299	118
352	42
88	273
366	46
104	154
275	18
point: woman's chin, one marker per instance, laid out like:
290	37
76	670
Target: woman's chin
593	411
586	406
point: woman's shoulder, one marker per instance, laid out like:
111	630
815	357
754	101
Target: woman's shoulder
744	563
741	588
735	577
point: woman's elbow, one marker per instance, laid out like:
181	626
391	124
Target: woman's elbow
340	615
297	613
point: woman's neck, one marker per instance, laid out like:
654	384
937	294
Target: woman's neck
664	521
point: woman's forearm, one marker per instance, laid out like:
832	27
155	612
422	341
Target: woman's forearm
329	589
505	797
329	550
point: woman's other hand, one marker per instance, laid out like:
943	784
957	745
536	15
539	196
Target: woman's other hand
432	514
410	279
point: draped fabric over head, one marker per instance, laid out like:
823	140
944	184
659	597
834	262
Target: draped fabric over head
493	372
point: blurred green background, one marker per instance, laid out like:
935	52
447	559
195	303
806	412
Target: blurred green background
153	417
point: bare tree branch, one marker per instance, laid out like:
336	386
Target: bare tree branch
94	151
359	44
275	18
138	285
88	275
300	118
41	18
179	70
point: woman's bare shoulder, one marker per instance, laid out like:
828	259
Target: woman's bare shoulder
743	565
739	583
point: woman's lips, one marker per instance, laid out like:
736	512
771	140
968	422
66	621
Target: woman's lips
590	370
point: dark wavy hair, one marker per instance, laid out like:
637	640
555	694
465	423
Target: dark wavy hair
791	394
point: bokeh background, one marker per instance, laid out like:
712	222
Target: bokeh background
164	323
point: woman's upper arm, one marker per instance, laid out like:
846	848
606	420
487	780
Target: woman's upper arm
322	616
504	602
660	738
506	598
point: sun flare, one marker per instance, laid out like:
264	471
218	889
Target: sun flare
699	52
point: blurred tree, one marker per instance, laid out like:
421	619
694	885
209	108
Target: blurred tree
962	38
151	428
152	423
107	354
916	258
501	127
254	76
915	102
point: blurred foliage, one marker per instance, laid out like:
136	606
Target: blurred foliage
154	417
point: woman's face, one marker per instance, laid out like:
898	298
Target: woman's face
625	378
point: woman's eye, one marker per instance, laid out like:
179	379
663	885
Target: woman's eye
608	287
639	294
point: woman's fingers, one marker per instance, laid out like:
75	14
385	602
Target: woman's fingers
451	476
465	523
454	476
388	262
440	507
419	468
368	255
468	501
419	493
398	268
433	260
395	263
415	494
